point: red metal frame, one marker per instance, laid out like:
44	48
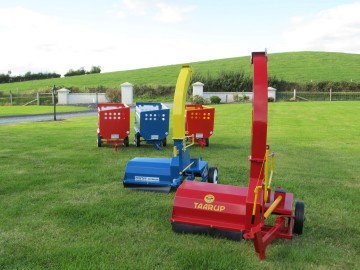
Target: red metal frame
113	122
230	208
199	122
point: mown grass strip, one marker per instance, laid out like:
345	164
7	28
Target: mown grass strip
62	204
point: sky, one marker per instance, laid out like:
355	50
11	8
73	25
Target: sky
56	36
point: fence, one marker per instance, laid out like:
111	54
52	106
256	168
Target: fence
26	99
67	98
228	97
47	98
318	96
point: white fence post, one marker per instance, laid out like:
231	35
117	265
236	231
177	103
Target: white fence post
63	96
294	94
127	91
272	93
198	89
330	94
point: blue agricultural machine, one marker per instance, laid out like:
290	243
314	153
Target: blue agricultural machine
164	174
151	123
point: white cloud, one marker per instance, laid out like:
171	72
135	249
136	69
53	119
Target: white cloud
296	20
335	29
119	14
137	7
152	9
39	43
127	8
173	13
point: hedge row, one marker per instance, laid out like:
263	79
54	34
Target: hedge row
240	82
7	78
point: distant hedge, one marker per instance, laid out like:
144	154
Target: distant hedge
321	86
151	91
240	82
28	76
82	71
231	81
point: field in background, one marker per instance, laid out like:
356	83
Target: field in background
62	204
292	66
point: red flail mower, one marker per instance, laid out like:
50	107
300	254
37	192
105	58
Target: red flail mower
242	212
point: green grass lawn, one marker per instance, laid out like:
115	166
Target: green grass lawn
21	110
291	66
62	204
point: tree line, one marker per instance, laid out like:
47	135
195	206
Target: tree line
82	71
29	76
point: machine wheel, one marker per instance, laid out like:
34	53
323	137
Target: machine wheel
164	142
206	142
126	141
98	141
213	175
137	139
299	217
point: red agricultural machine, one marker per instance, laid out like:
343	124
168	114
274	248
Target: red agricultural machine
242	212
200	123
114	124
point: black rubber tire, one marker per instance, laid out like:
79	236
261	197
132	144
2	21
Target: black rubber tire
98	141
207	142
164	142
299	217
126	141
137	139
213	175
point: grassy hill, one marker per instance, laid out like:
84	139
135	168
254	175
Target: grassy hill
293	66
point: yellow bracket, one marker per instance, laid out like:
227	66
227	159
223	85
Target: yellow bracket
175	151
192	141
181	88
272	167
267	178
187	167
256	191
266	174
272	207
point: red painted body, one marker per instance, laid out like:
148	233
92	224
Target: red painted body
229	211
113	122
229	207
199	122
